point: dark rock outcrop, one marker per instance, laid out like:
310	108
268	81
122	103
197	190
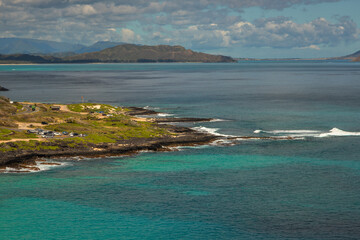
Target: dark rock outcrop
3	89
133	111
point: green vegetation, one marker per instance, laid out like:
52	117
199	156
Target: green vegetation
6	134
110	130
27	146
93	107
83	119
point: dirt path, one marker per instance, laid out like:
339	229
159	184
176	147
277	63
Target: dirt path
64	108
22	139
26	126
142	119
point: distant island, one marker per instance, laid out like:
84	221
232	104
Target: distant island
135	53
124	53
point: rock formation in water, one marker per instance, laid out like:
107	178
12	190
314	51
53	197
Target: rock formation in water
3	89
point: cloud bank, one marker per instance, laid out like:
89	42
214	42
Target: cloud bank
202	24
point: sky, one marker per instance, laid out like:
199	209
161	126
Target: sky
237	28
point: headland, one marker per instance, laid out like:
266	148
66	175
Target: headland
30	132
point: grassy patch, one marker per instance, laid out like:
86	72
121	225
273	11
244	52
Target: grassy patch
93	107
6	134
29	146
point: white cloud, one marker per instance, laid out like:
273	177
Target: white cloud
313	47
128	35
284	33
203	25
81	10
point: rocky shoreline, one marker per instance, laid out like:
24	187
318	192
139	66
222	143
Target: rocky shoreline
184	137
30	160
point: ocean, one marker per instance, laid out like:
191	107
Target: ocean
307	188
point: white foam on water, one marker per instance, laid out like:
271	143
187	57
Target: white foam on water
192	147
288	131
338	133
334	132
164	114
175	148
41	167
145	151
150	108
212	131
45	167
223	142
299	134
218	120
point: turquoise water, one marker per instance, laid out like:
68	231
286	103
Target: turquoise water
300	189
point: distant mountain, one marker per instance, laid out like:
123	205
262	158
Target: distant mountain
34	46
27	58
352	56
44	47
98	46
135	53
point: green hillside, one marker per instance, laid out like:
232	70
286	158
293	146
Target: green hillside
134	53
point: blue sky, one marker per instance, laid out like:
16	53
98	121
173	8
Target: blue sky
239	28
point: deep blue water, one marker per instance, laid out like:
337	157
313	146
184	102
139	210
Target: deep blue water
290	189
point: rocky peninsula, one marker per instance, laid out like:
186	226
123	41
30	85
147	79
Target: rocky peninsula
30	132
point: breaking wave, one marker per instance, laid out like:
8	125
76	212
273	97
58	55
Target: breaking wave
212	131
38	167
151	108
334	132
218	120
164	114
